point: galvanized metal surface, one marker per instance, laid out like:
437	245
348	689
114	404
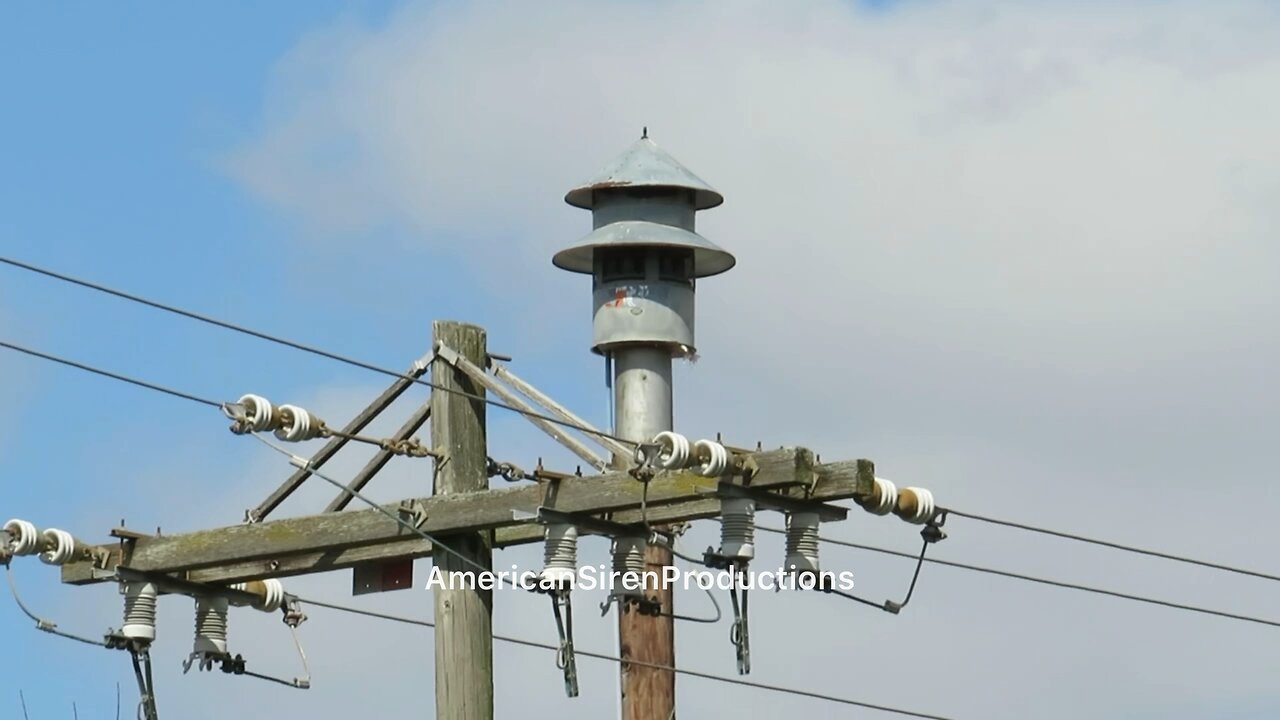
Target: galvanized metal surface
644	255
478	375
644	164
644	197
647	313
560	411
642	392
639	231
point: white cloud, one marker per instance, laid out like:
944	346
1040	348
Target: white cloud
1023	254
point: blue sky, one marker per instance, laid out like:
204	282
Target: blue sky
115	119
1021	255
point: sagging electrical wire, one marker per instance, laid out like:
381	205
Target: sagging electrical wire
1114	545
56	547
306	426
138	649
1045	581
111	375
302	347
671	544
655	666
42	624
931	533
356	363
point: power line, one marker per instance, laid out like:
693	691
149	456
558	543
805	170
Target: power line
191	315
109	374
656	666
304	464
975	568
159	388
992	571
1114	545
1045	581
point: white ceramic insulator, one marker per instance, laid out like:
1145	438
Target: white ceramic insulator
887	496
61	547
258	412
272	597
738	528
628	561
24	538
560	553
296	424
924	505
211	626
139	611
674	453
713	456
802	542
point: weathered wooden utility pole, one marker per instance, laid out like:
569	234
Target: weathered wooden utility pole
644	258
464	616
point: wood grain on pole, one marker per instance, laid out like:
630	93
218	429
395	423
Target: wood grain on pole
649	693
463	616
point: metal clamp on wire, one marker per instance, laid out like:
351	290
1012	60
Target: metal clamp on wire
292	609
509	472
648	460
254	414
409	447
251	413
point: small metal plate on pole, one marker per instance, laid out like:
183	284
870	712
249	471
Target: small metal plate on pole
375	577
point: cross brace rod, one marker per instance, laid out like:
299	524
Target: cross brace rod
560	411
480	376
379	460
336	443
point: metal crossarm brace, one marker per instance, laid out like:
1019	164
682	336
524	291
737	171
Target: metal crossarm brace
558	410
497	388
337	442
379	460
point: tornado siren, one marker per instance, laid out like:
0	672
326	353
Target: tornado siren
643	254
